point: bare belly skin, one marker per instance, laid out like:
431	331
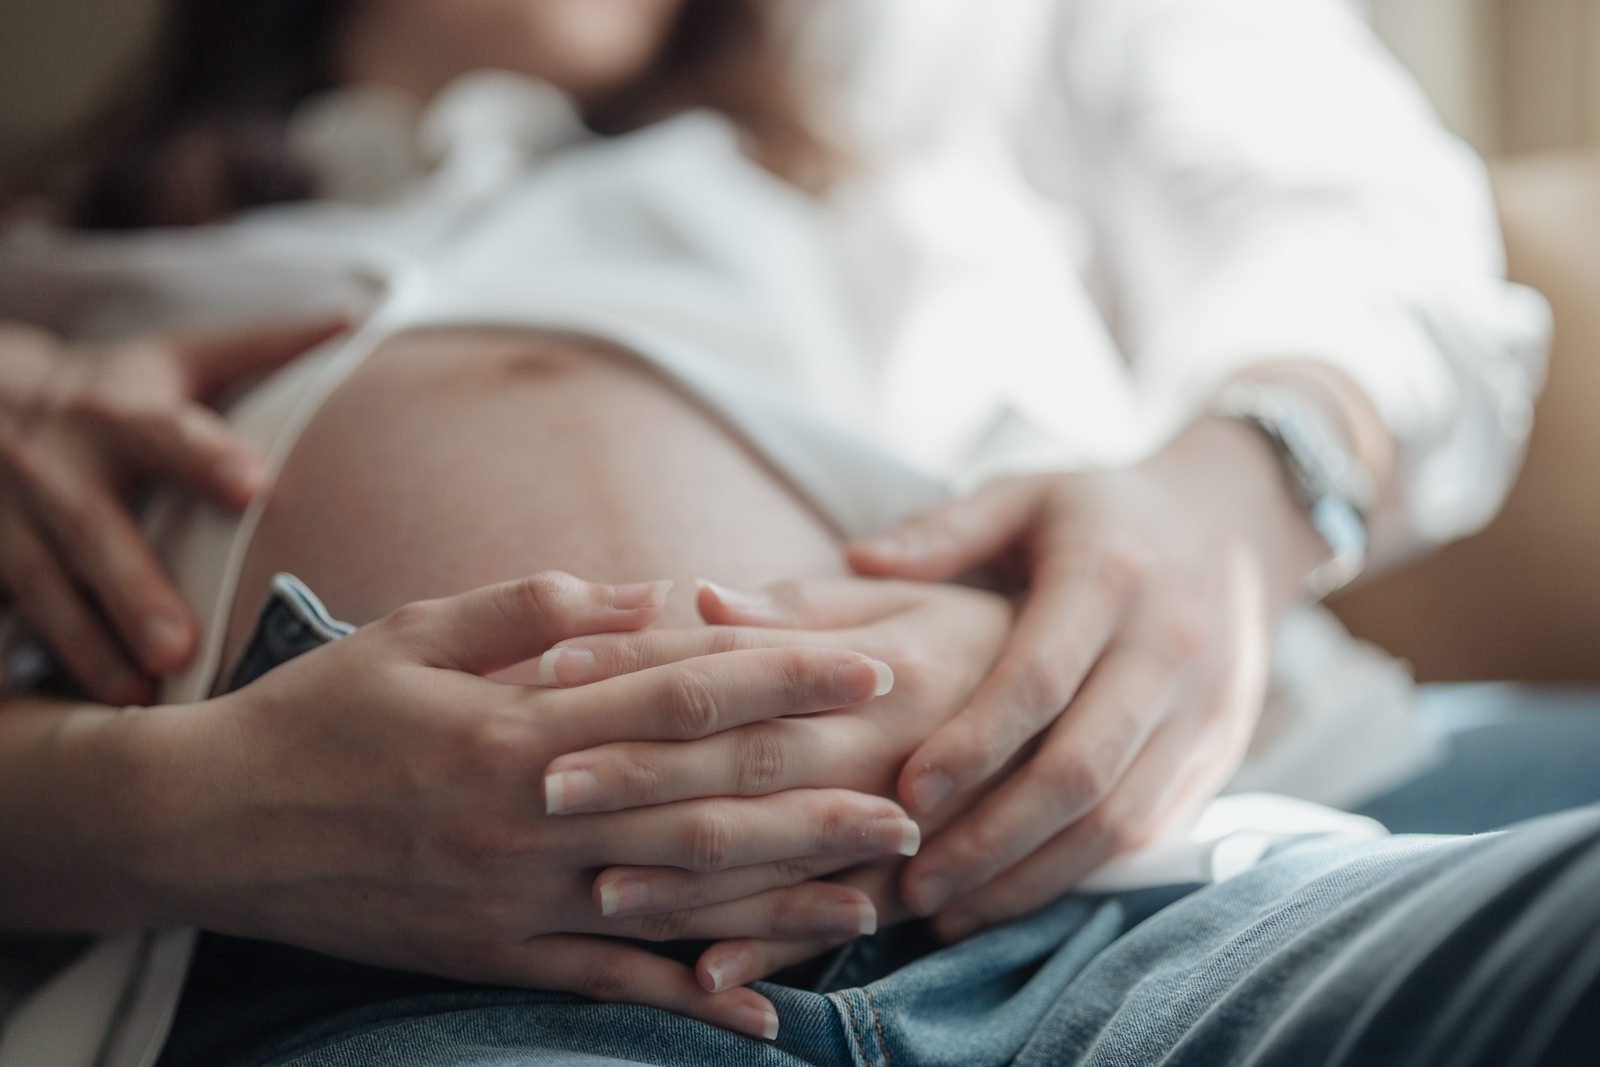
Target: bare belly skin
455	459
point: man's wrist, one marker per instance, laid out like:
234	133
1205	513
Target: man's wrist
1318	463
1242	478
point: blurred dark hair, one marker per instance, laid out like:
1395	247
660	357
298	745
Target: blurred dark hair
208	137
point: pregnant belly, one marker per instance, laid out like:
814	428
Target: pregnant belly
455	459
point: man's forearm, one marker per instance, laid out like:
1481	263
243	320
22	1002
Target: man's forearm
66	816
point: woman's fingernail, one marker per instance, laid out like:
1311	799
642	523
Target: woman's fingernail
861	679
722	974
885	676
930	789
900	836
752	604
566	666
930	894
569	791
623	896
759	1022
640	595
165	639
853	917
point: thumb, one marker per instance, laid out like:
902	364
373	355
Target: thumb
499	626
953	538
802	603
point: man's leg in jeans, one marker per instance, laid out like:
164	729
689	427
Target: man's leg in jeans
1455	951
1510	753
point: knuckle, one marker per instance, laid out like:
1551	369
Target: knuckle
728	639
1119	568
410	618
546	594
761	762
641	780
1114	834
633	653
488	749
982	849
788	915
803	679
922	677
1043	681
1180	639
1080	780
831	824
674	890
605	982
666	925
973	754
691	705
794	871
710	844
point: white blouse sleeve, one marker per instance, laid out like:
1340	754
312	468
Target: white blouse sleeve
1264	181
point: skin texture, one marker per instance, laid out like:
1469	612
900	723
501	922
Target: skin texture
454	460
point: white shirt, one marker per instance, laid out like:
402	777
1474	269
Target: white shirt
1128	201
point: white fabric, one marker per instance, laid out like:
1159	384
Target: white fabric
1124	202
1073	220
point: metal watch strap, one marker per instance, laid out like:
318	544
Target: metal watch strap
1327	479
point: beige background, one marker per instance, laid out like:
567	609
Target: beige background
1512	75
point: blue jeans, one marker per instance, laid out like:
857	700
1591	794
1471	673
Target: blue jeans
1416	949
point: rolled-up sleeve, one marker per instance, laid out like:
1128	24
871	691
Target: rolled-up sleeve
1265	182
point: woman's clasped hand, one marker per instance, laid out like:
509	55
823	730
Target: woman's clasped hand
380	799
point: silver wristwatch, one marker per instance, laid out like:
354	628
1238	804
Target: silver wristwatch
1330	483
